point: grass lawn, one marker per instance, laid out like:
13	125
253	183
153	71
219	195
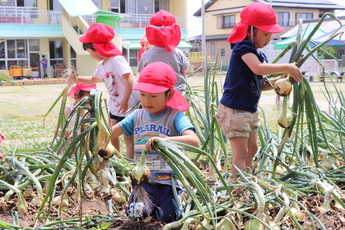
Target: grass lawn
22	111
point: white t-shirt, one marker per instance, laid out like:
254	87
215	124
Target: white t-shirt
111	73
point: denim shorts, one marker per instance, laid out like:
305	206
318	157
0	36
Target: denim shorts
237	123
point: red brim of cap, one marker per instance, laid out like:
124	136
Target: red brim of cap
149	88
80	86
273	29
85	39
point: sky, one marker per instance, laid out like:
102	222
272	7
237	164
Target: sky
194	23
342	3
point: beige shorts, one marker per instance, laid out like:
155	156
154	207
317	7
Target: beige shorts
237	123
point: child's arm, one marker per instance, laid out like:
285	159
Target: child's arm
183	72
88	79
123	105
267	68
188	137
116	131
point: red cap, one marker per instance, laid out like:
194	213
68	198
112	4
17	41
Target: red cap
158	77
80	86
163	30
2	138
101	35
259	15
143	43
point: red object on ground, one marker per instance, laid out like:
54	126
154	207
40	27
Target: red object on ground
2	138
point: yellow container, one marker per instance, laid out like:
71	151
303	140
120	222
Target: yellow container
16	71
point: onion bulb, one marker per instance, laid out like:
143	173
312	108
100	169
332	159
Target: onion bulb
140	174
283	87
107	152
253	225
297	213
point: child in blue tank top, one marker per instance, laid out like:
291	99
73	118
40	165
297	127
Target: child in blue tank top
237	113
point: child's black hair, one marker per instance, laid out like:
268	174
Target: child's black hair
246	38
88	46
81	94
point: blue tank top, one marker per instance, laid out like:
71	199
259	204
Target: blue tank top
242	87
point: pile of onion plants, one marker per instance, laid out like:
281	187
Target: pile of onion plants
70	170
296	182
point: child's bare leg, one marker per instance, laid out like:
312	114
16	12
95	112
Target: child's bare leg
130	146
252	149
239	147
115	141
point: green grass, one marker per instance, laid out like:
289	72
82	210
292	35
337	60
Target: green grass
22	111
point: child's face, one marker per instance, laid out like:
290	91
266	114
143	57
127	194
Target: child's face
156	103
94	54
261	38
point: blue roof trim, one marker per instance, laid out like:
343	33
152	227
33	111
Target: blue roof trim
30	31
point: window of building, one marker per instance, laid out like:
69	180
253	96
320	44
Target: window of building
229	21
115	6
15	52
222	52
2	48
283	18
145	7
213	48
55	54
22	51
34	45
55	5
307	16
19	3
140	7
55	48
161	5
11	48
133	60
2	65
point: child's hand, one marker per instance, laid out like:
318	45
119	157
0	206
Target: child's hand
70	79
123	106
295	73
150	142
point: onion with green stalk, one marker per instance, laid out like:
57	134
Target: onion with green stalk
140	175
283	87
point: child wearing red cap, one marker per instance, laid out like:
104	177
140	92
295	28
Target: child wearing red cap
165	35
116	73
237	113
78	92
161	118
145	45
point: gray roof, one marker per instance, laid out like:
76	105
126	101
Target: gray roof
318	4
